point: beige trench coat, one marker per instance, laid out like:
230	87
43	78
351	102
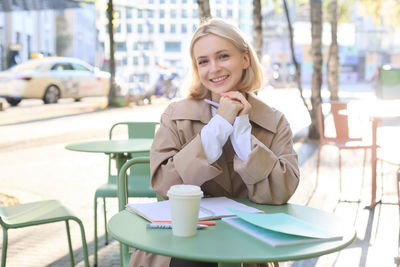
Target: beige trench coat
269	176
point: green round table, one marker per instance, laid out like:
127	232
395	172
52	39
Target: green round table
227	245
118	148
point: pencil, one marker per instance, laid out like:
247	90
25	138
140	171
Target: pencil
215	104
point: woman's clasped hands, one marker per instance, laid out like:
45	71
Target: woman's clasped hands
233	104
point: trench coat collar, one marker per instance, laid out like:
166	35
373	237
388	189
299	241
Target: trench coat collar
191	109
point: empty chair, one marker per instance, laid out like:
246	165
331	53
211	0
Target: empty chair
341	138
36	213
139	181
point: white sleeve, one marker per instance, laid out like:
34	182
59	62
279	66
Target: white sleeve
214	136
241	137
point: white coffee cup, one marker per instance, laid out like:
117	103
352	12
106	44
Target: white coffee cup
185	204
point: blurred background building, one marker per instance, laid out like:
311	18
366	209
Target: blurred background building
152	37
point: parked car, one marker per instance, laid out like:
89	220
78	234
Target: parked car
53	78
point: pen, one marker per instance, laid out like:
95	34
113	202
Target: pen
169	226
199	222
215	104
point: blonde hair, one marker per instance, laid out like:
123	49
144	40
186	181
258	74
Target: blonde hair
252	77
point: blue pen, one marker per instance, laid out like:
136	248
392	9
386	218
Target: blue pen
169	226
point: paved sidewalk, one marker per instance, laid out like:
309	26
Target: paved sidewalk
377	240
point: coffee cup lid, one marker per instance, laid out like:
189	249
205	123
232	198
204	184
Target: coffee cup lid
185	190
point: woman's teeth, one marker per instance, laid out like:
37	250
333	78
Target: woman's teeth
219	78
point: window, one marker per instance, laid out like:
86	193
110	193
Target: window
146	60
128	28
195	13
162	14
150	27
118	29
79	67
184	13
150	13
183	28
219	13
128	12
62	66
145	45
230	13
139	28
120	46
140	13
161	28
172	47
135	60
173	28
124	61
173	13
135	46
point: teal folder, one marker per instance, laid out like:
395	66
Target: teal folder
280	229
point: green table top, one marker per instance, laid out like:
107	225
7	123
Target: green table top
225	244
113	146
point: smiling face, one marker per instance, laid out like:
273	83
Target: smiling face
219	63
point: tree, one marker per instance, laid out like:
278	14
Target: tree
296	64
63	38
333	56
204	9
257	28
336	11
110	10
316	49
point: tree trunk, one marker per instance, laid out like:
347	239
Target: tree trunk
112	94
296	64
204	9
316	48
333	58
257	28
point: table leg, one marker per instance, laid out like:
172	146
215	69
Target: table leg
227	264
120	159
375	123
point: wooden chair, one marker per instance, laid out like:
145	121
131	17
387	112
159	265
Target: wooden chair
36	213
138	186
341	139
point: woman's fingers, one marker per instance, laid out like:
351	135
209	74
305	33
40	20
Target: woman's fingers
229	109
238	96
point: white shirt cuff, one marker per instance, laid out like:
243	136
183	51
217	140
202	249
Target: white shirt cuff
214	136
241	137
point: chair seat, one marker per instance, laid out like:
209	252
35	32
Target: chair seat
344	144
137	187
40	212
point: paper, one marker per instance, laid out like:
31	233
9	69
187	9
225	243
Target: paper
210	208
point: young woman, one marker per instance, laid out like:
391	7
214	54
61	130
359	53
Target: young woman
237	147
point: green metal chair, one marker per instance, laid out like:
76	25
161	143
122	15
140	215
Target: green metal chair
139	181
36	213
123	193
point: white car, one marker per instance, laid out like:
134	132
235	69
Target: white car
53	78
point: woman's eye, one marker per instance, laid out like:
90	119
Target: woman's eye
202	62
224	56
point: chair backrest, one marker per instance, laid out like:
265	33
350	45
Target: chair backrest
134	129
137	129
340	121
